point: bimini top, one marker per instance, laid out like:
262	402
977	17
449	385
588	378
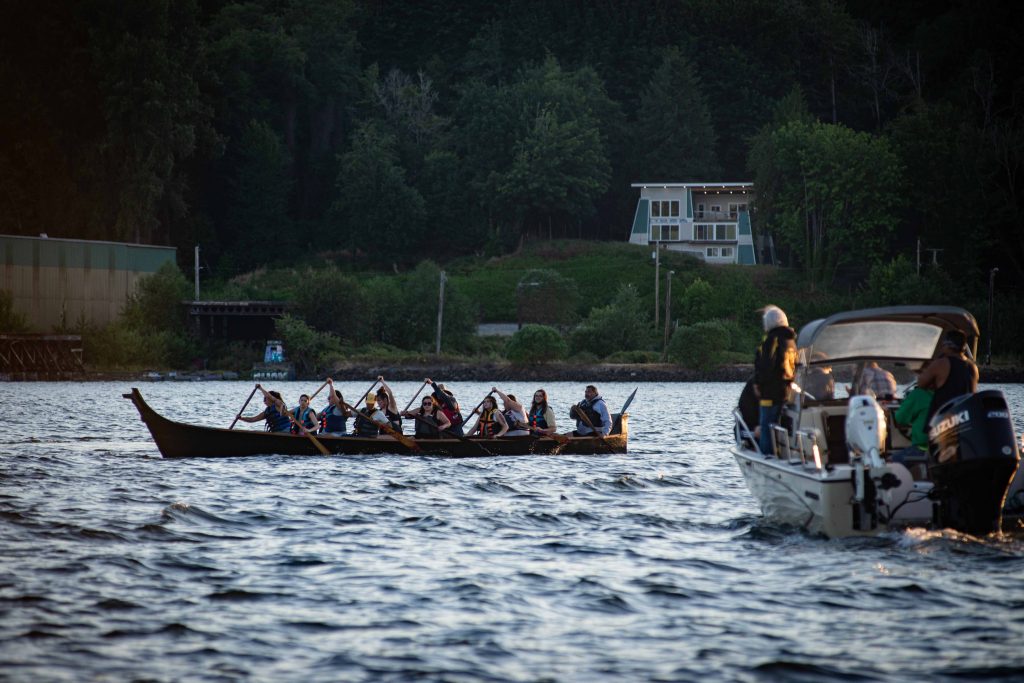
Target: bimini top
890	333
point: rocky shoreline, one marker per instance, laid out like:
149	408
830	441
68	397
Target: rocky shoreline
488	372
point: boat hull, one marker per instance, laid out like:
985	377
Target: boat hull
180	440
821	501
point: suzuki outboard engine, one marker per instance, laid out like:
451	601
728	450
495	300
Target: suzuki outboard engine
972	456
865	441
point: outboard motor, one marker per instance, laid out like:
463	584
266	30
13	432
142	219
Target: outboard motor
865	441
972	456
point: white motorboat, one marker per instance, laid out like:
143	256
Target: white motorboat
831	473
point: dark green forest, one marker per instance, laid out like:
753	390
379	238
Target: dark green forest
380	132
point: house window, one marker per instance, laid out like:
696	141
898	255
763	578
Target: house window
703	231
712	252
656	209
727	252
736	209
716	208
726	232
674	208
663	232
700	210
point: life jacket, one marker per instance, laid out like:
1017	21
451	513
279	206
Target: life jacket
395	420
307	419
453	414
276	422
364	425
427	426
593	415
537	419
513	419
488	425
333	420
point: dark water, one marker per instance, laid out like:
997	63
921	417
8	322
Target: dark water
116	565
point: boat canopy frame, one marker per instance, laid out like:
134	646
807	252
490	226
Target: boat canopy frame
867	334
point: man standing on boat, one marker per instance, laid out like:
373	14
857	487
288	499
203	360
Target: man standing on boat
593	409
951	374
774	369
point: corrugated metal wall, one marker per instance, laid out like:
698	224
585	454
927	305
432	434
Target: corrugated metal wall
56	282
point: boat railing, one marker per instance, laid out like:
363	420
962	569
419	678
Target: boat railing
799	448
744	434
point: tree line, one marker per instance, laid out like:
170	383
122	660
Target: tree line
381	131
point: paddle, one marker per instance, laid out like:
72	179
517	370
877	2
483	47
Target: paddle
317	393
364	395
625	406
409	404
244	406
291	418
387	429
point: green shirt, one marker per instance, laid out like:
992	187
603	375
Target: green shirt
912	411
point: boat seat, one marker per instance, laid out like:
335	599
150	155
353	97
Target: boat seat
835	439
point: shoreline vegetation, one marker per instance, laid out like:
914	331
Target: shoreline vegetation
586	311
482	372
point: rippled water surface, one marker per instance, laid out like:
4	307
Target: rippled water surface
118	565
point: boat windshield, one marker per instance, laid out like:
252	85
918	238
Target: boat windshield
877	339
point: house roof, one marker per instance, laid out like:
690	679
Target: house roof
697	186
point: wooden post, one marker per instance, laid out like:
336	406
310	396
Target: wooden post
657	277
440	314
668	311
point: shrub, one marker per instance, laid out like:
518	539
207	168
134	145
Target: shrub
622	325
536	344
156	302
700	346
634	357
696	303
546	297
308	349
331	301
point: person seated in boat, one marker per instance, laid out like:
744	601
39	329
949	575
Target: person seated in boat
387	403
304	415
449	406
334	418
541	416
275	413
748	407
818	383
913	411
431	422
369	419
591	414
491	423
774	370
876	381
951	373
514	414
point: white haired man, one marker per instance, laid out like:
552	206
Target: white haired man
774	369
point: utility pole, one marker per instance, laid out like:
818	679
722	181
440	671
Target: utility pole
197	273
668	311
918	255
657	266
440	314
991	307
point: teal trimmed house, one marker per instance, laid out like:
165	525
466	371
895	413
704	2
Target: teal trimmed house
709	220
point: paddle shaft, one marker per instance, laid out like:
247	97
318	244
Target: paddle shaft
244	406
353	408
409	404
317	393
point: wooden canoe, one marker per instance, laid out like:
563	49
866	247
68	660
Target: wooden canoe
180	440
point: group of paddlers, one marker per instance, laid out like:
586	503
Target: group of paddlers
439	414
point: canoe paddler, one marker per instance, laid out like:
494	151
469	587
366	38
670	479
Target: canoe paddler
449	406
275	413
368	418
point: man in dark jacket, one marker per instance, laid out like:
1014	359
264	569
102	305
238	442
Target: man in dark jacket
774	369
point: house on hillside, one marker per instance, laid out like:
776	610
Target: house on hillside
709	220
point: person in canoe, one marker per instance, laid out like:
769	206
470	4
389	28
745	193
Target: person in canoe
388	405
449	406
593	409
369	418
304	415
334	418
514	414
430	419
541	417
275	412
491	423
